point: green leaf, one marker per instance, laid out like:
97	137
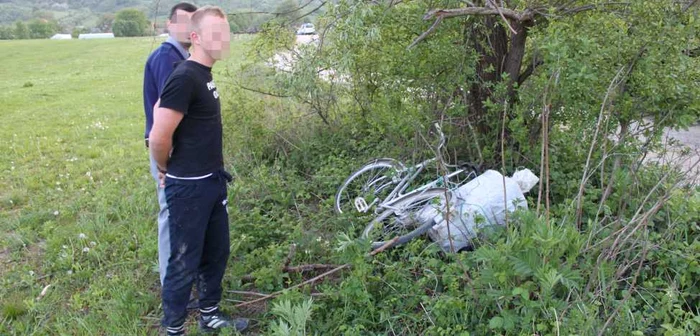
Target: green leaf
522	292
667	326
521	267
496	323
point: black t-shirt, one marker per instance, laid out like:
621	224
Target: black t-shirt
197	141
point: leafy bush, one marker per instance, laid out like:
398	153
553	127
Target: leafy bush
130	22
612	249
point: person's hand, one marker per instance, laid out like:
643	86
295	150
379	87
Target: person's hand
161	179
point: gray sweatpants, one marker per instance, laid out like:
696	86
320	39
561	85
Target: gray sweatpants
163	229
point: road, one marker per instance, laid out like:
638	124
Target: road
690	140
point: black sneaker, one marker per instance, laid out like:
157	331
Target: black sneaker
215	322
175	331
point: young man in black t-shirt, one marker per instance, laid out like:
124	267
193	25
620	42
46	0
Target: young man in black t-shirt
186	143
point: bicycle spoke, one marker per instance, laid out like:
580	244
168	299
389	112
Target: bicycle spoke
402	218
367	188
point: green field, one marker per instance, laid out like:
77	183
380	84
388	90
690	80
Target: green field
78	206
77	203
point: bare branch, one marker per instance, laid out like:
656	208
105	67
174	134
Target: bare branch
323	3
690	4
290	255
505	12
503	163
393	3
631	290
274	13
500	12
426	33
155	18
579	198
381	249
309	267
529	70
566	5
263	92
565	11
292	269
247	293
692	52
521	16
386	245
310	281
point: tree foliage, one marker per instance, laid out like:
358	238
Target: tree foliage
130	22
34	29
40	28
6	33
579	89
79	30
21	31
473	63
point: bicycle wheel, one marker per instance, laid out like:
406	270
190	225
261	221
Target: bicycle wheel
368	186
406	217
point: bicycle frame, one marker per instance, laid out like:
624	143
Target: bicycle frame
397	193
403	184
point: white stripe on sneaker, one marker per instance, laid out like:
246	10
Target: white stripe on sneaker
208	310
217	323
176	329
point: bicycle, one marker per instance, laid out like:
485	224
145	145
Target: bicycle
395	210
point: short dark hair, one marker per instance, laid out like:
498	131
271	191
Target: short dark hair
199	15
185	6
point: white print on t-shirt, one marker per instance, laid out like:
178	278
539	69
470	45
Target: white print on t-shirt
212	86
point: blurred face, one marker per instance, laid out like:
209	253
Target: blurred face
213	37
179	27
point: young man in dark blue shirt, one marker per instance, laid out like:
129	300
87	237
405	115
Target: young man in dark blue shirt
159	66
186	143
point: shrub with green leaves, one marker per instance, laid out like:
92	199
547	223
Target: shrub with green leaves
612	251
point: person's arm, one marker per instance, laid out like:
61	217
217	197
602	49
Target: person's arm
165	122
168	112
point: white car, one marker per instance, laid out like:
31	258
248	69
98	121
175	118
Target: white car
306	29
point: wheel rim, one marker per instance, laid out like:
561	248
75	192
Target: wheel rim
373	185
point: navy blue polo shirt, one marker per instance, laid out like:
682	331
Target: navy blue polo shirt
159	66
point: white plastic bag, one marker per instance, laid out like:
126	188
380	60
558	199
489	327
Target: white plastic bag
525	179
475	206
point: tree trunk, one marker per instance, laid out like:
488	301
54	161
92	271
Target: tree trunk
490	41
499	52
514	60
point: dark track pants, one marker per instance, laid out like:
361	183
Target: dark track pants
199	243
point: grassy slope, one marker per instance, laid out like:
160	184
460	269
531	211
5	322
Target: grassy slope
77	204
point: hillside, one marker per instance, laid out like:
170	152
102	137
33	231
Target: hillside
71	13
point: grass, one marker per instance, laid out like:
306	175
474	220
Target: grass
78	242
77	203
